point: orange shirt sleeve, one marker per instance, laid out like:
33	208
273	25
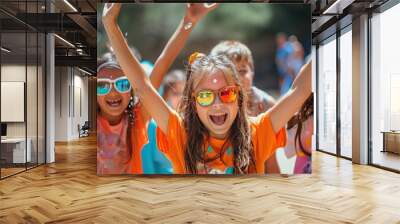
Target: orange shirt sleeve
265	140
139	138
172	143
140	128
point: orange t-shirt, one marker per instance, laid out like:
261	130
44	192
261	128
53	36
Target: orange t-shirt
112	148
265	142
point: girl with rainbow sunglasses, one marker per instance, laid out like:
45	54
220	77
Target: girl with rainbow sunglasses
122	120
212	133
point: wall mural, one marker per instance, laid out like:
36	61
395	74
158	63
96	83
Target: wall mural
228	92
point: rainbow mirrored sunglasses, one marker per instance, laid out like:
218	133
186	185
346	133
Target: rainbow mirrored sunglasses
121	85
206	97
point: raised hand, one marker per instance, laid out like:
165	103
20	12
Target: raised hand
196	11
111	12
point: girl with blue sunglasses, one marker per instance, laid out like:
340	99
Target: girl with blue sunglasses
119	122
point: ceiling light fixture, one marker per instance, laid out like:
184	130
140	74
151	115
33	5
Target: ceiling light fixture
5	50
86	72
64	40
337	7
70	5
79	51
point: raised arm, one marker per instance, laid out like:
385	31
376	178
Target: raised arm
281	113
142	86
153	103
194	13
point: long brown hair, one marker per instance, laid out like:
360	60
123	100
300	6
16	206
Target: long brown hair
110	63
306	111
197	134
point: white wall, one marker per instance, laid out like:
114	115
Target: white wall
80	110
71	93
61	103
16	73
33	127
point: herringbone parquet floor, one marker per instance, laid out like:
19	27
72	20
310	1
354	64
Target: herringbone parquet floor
70	192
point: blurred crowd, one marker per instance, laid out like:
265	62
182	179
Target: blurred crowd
289	60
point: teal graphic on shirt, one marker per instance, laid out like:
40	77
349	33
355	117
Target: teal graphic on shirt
212	170
153	160
229	151
229	170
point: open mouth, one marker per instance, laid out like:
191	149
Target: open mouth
114	103
219	119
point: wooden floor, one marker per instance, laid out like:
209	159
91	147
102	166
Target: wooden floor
70	192
10	171
387	159
5	172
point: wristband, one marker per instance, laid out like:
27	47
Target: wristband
188	25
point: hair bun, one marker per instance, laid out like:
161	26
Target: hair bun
196	55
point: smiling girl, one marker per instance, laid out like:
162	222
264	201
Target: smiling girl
213	134
122	121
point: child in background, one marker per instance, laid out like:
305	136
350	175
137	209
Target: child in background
300	131
173	85
283	52
296	58
214	134
258	101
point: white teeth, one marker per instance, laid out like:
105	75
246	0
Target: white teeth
219	114
114	102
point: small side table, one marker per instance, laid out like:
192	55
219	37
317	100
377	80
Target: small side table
391	141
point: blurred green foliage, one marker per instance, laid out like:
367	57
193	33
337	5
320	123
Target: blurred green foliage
240	21
148	26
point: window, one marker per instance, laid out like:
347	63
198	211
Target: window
346	93
22	77
385	89
327	96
